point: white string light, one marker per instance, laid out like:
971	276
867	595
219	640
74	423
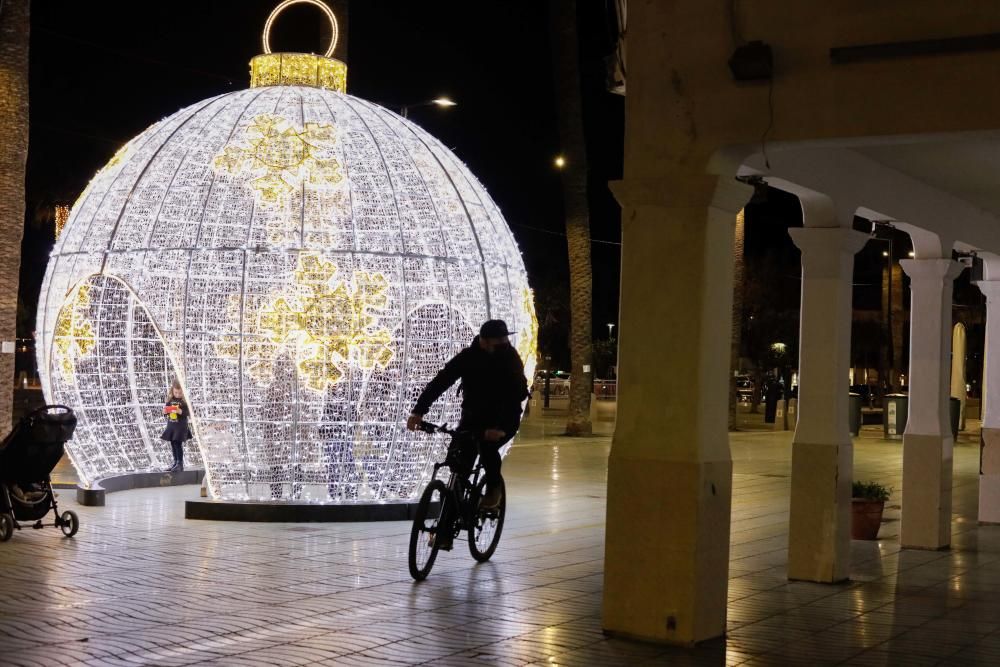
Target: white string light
334	29
304	262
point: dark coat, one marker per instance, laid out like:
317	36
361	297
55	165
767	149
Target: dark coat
493	387
177	426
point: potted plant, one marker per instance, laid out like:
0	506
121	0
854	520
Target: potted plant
867	503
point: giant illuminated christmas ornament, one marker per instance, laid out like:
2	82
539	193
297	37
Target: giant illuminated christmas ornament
303	261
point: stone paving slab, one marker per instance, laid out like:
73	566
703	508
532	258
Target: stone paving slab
139	585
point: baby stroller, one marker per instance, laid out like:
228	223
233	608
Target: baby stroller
27	457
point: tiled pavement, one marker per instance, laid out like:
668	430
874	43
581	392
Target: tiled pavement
140	585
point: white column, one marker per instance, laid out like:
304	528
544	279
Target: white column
927	441
819	532
958	369
989	470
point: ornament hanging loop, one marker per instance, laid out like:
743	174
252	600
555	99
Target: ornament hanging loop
287	3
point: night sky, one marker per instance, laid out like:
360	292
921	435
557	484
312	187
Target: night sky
103	72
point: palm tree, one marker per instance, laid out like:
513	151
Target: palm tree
566	70
14	28
736	326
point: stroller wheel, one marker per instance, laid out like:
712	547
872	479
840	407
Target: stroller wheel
6	527
69	523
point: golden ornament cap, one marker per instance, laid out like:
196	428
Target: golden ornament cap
299	69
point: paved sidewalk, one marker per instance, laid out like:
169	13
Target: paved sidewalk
140	585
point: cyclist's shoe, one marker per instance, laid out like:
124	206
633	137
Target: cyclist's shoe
443	542
491	499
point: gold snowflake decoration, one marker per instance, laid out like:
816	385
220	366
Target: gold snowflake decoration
527	336
282	158
74	334
527	343
328	325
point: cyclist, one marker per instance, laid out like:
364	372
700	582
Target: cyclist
493	387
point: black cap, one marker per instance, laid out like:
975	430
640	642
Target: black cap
494	329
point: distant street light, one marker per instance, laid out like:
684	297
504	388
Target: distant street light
560	162
404	111
611	328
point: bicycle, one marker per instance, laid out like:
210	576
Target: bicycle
447	508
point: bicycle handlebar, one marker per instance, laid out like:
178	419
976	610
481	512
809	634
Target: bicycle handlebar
428	427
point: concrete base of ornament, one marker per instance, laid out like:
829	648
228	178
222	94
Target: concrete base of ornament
95	495
291	512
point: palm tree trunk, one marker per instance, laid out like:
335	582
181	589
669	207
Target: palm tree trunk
736	325
895	322
566	69
14	28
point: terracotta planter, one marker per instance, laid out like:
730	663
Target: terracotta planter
866	518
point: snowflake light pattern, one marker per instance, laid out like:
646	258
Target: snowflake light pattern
328	328
74	334
527	340
282	158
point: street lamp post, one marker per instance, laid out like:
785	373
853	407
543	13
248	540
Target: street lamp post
443	102
611	329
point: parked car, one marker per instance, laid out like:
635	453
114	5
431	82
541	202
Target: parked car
558	383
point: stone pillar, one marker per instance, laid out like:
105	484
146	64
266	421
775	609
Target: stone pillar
666	569
989	468
819	531
927	441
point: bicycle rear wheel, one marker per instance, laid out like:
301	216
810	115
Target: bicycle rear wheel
423	536
484	534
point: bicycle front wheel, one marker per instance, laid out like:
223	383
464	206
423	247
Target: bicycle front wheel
424	535
484	534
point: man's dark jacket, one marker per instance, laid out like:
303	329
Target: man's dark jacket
493	387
